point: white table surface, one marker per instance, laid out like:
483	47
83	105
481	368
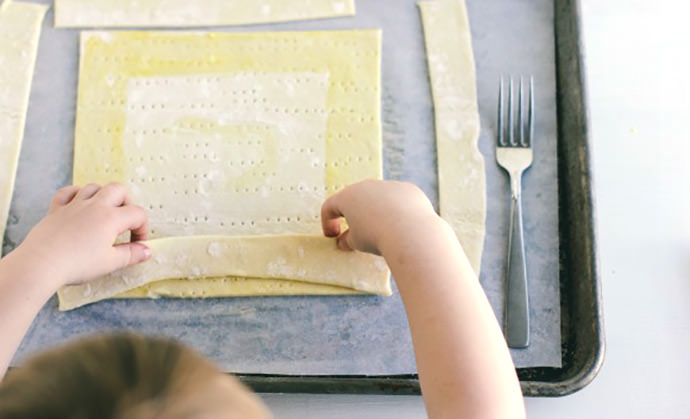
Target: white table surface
638	58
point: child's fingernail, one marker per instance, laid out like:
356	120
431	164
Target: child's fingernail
147	253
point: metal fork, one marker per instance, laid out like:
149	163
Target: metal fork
514	154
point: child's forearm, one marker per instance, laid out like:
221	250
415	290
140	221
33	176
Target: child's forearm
24	289
464	366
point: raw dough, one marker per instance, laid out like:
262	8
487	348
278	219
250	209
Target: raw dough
230	287
234	145
20	28
177	13
462	179
242	134
118	68
308	259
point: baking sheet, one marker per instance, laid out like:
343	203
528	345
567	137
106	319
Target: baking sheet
330	335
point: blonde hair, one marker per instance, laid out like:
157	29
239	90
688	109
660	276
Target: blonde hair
124	376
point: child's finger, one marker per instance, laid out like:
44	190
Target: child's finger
114	194
344	241
87	192
128	254
134	219
330	216
63	196
348	242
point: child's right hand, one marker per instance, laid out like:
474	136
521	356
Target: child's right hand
378	213
445	304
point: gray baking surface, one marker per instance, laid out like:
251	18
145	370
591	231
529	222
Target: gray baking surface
330	335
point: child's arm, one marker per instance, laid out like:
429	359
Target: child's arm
72	244
465	369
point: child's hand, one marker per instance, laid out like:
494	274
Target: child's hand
377	212
445	304
75	241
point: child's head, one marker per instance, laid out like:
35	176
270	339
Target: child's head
124	376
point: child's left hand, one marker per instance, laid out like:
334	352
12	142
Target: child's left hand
76	239
74	243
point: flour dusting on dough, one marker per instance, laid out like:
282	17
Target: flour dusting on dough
380	264
339	7
106	37
215	249
361	285
453	129
182	260
280	269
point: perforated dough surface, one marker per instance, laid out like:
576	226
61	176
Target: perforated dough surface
177	13
20	28
240	134
249	152
461	173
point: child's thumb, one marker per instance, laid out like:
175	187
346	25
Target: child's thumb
132	253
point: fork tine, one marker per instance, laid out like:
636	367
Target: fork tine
521	115
511	111
530	113
501	128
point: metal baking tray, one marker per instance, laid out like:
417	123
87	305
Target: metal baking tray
50	127
582	331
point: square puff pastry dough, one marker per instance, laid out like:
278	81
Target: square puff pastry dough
231	139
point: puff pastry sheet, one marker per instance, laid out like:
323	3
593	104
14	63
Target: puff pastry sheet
232	135
461	174
307	259
20	28
186	13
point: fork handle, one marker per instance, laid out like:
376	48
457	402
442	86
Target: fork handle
517	307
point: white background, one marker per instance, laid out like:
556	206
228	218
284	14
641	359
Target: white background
638	59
